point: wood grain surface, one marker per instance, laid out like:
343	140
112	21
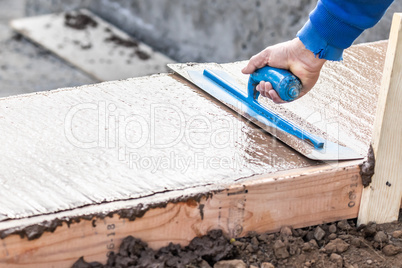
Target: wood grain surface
299	198
382	199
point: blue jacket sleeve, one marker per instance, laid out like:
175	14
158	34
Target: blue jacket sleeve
335	24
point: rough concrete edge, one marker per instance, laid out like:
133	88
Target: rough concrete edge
34	227
48	223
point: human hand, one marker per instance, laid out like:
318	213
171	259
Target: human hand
291	55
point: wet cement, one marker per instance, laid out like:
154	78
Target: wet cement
43	151
341	106
121	42
35	231
335	244
129	43
133	252
142	55
81	21
367	168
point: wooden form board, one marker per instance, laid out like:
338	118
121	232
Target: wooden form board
76	163
382	200
298	198
96	47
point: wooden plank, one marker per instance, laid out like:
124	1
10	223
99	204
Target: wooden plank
92	45
382	199
299	198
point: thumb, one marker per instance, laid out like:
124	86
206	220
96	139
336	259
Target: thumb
256	62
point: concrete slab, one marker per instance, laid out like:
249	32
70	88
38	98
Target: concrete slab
92	45
123	140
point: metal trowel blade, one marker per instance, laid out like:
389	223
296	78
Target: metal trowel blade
330	152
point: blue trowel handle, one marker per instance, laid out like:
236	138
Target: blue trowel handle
286	84
252	103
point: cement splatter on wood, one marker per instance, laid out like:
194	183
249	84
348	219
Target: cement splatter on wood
93	45
130	211
323	194
367	168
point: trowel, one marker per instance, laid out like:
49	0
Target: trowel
220	85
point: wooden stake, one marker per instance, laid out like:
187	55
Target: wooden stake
381	201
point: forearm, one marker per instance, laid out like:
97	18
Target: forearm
335	24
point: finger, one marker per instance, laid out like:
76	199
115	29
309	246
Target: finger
261	86
268	86
275	97
260	89
266	95
256	62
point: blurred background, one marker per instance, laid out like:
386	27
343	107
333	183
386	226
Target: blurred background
185	30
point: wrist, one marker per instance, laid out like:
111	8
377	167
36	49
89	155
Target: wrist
313	41
307	57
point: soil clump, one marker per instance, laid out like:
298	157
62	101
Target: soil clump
333	245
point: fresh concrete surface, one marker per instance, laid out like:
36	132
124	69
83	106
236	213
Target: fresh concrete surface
207	30
25	67
94	144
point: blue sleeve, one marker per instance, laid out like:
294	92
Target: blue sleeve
335	24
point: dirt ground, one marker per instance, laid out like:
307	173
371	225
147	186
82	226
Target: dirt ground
332	245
